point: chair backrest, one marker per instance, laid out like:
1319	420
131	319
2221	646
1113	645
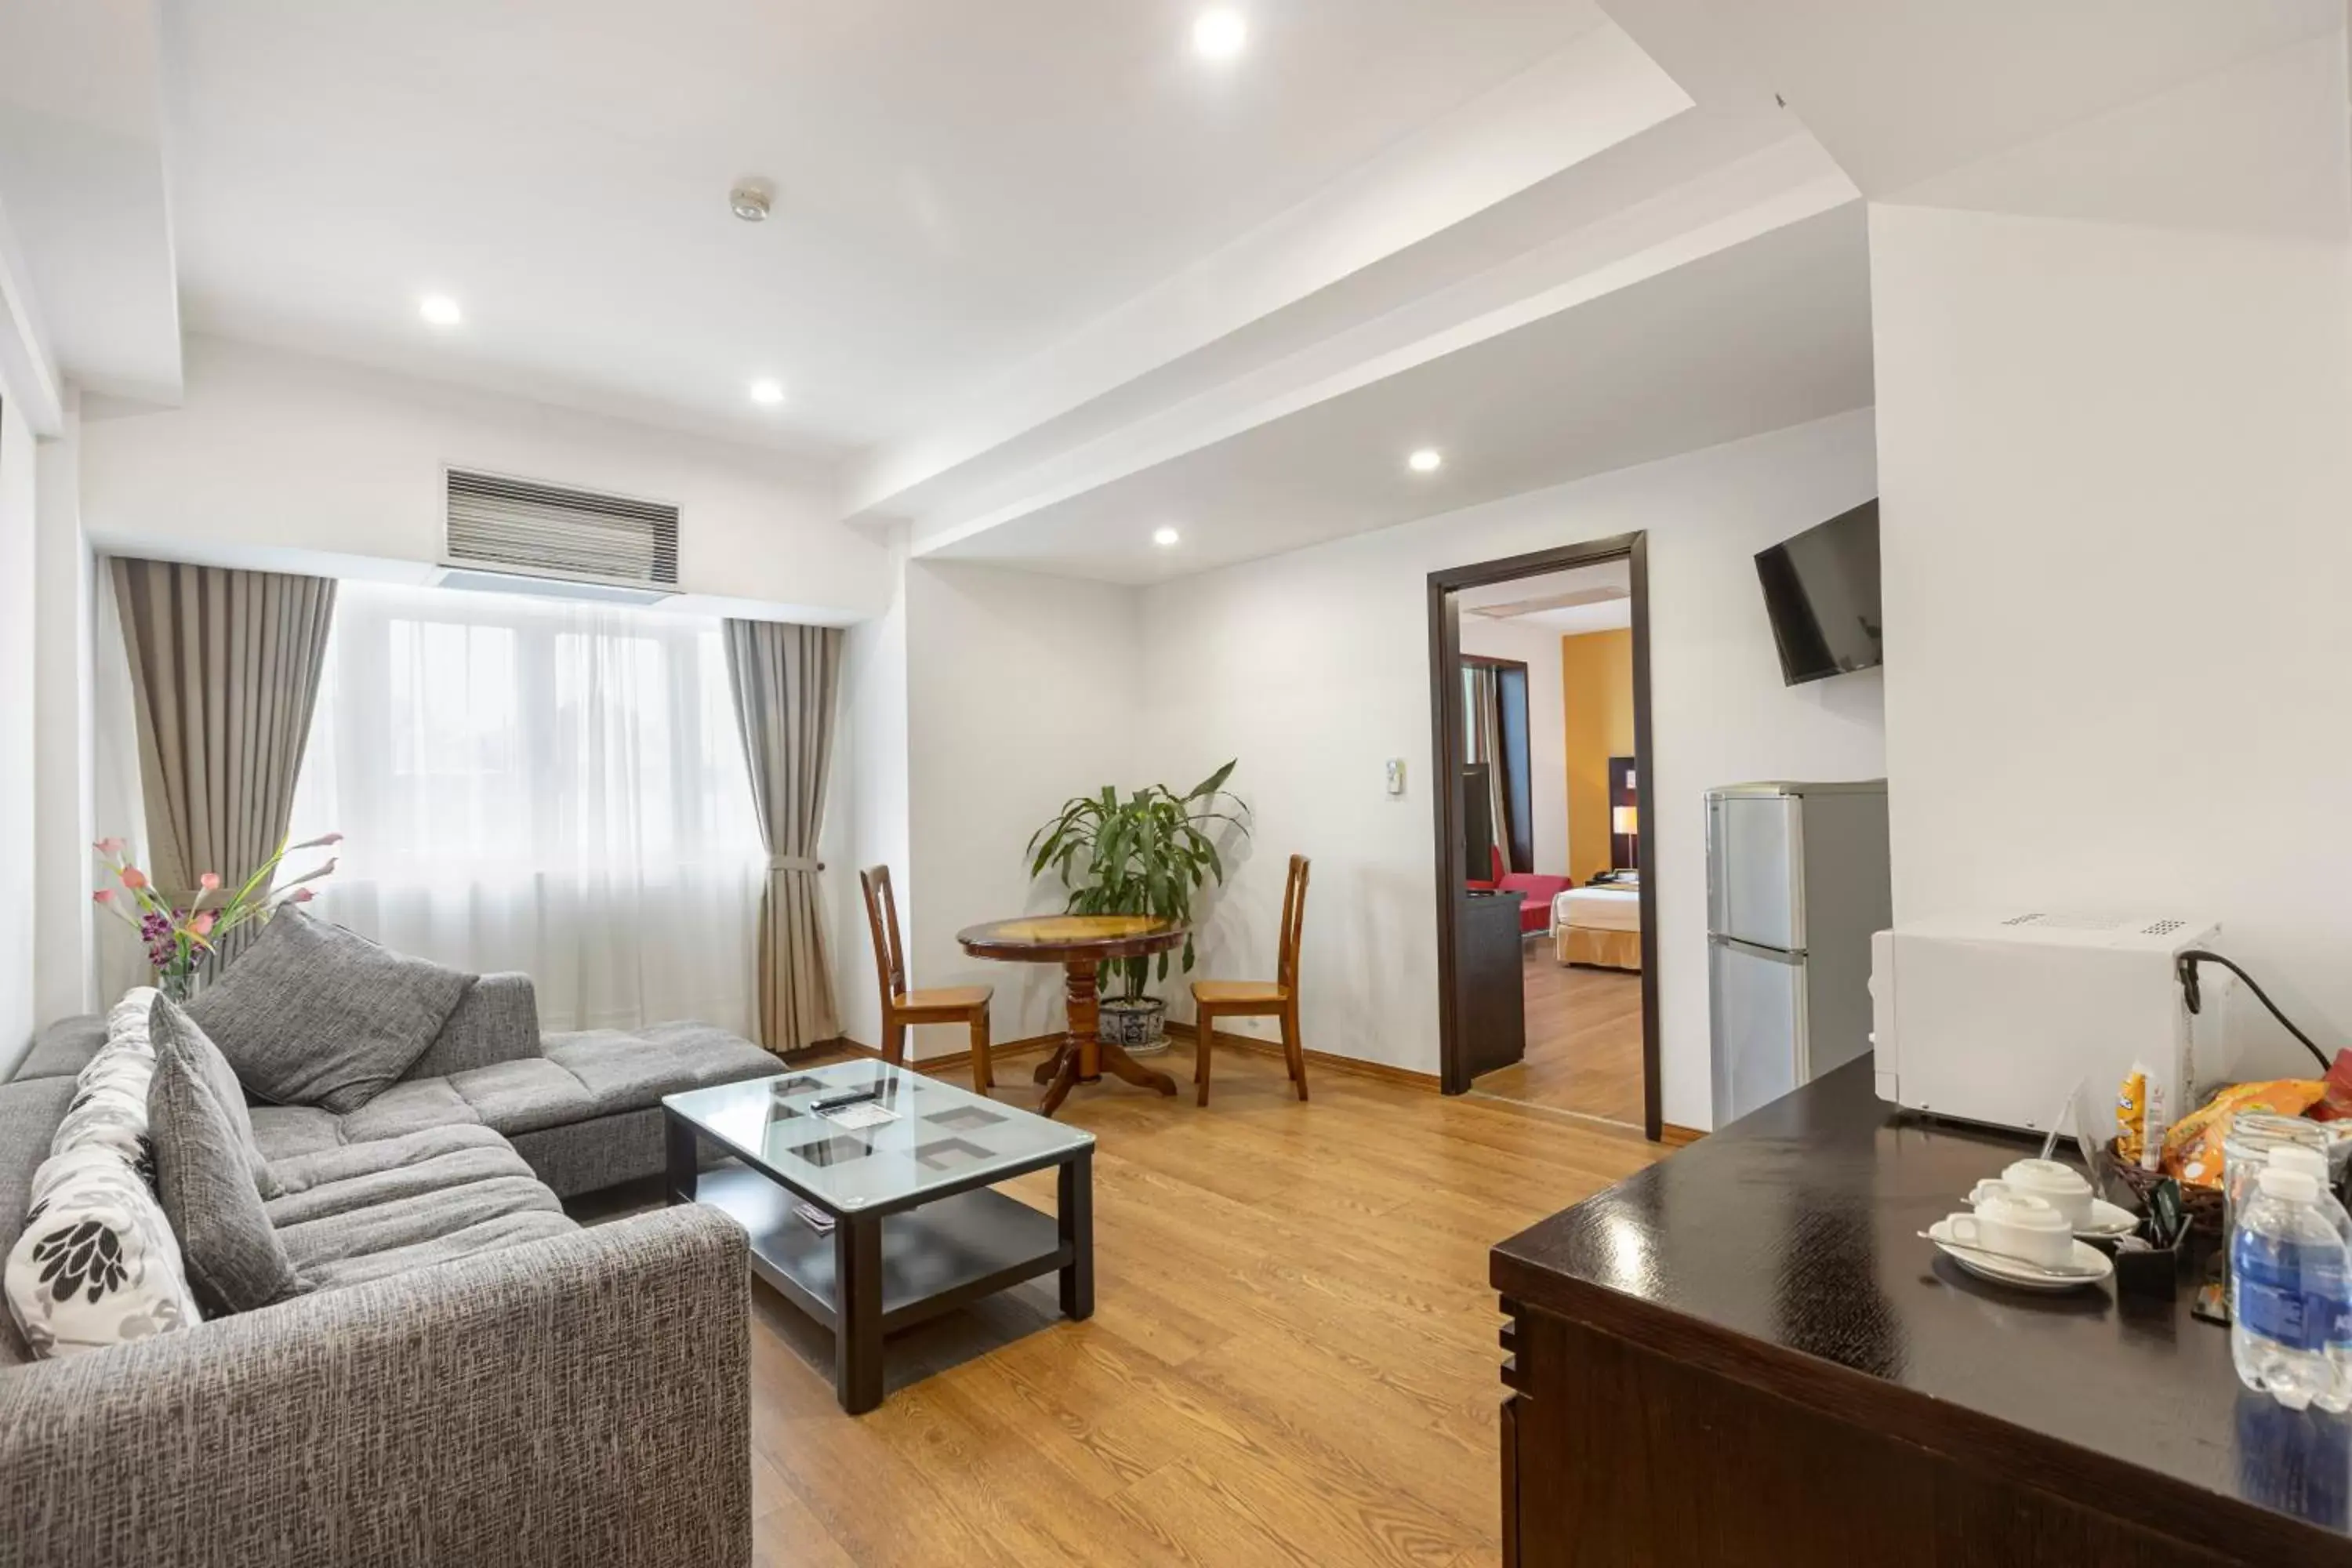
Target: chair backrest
1294	920
882	920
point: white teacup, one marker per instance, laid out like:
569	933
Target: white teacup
2061	1186
2016	1226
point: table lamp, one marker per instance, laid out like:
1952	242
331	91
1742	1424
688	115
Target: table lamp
1625	822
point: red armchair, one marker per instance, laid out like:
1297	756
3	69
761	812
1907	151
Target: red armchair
1536	892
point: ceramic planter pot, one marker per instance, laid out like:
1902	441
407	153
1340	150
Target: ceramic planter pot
1138	1027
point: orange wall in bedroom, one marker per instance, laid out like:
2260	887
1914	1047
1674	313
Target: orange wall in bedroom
1596	689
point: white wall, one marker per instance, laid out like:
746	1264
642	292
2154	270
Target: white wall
64	967
1313	668
1539	649
866	818
275	457
19	832
2116	554
1021	691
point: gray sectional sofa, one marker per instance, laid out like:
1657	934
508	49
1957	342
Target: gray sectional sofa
475	1379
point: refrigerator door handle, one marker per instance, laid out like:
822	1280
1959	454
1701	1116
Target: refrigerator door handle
1777	954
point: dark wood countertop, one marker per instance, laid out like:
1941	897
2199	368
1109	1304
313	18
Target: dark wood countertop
1780	1252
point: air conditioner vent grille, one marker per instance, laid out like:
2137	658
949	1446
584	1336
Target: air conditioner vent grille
550	530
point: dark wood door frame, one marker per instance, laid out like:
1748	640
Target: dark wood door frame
1445	725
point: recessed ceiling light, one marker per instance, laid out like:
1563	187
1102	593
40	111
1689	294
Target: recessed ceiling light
768	393
1166	538
1428	460
440	311
750	200
1219	34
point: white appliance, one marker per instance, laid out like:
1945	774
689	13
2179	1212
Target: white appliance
1995	1018
1796	882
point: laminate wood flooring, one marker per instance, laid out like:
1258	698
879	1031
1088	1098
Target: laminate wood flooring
1293	1359
1584	1040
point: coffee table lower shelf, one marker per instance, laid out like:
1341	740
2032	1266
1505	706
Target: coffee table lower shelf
931	1259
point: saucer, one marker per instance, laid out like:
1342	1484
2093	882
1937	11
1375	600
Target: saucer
1992	1266
2107	1221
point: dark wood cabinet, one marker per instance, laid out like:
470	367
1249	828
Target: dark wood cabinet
1743	1355
1491	1002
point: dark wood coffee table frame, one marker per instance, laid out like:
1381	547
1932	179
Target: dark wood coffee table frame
892	1265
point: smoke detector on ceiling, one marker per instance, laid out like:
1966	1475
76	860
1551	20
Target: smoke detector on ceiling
750	200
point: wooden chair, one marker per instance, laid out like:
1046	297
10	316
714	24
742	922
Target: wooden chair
1215	999
965	1004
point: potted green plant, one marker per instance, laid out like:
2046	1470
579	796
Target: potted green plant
1147	853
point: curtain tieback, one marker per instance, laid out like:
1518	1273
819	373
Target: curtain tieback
794	863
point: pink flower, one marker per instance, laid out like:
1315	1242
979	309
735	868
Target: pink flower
302	896
209	881
109	845
134	877
103	896
203	924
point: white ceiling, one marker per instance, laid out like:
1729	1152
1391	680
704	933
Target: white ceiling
1606	587
82	189
959	185
1758	337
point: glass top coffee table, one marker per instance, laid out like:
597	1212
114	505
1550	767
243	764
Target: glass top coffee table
915	1231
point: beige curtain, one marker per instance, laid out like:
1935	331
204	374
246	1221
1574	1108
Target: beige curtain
224	670
785	678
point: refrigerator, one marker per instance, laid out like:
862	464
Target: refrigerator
1797	882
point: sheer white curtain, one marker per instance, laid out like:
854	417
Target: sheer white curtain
545	785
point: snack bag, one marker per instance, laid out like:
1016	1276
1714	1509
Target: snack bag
2192	1150
2335	1105
2131	1115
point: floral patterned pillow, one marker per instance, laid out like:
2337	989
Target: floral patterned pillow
109	1102
97	1262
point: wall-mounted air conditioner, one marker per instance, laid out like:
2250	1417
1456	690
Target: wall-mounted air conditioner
519	536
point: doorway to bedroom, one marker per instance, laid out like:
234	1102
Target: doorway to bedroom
1539	695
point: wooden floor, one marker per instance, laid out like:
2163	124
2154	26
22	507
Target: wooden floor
1293	1358
1584	1040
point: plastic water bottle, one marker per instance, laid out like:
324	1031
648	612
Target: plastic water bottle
2294	1294
2297	1157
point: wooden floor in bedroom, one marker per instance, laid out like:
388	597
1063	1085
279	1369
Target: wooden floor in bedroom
1293	1358
1584	1040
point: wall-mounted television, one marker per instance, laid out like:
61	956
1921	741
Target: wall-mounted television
1820	590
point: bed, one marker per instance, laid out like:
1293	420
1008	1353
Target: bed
1600	926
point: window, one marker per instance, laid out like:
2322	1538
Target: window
545	785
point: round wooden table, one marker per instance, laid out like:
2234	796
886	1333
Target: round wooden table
1079	944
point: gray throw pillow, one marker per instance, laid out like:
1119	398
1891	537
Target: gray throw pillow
313	1015
204	1181
167	1020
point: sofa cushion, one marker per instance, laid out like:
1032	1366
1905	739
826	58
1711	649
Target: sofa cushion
632	1072
204	1178
314	1015
284	1132
522	1096
29	1113
407	1107
359	1175
398	1234
62	1050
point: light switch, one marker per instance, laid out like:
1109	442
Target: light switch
1396	775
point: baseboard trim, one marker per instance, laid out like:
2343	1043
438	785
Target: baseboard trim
952	1061
1675	1137
948	1061
1405	1077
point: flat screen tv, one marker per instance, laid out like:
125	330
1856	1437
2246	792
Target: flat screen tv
1820	590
